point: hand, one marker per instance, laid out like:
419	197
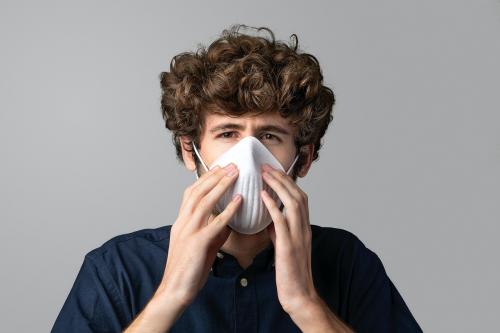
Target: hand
291	236
194	239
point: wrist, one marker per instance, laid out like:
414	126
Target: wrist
165	296
306	308
159	314
315	316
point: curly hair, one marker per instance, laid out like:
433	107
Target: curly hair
240	73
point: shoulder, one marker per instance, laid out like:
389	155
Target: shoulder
334	238
122	249
115	278
337	244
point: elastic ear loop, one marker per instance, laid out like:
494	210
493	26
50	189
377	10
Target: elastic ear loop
206	168
290	168
201	160
294	161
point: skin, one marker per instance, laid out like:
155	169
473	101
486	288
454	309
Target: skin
198	229
245	247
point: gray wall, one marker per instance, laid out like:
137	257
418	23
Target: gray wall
410	164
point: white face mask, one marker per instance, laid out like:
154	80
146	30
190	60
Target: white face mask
248	154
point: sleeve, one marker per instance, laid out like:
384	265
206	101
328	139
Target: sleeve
375	304
93	303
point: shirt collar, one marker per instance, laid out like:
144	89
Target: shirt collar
226	265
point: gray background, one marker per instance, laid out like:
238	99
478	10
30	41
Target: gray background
410	164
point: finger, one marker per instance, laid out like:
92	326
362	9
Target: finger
198	192
220	238
280	225
299	226
198	182
220	222
287	181
205	175
206	205
272	233
294	208
192	193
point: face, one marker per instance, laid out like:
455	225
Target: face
221	132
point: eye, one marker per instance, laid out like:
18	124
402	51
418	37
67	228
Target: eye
225	135
269	136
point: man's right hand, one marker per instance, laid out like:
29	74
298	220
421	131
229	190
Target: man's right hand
194	242
194	239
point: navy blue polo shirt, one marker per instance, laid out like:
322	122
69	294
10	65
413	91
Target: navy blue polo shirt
117	279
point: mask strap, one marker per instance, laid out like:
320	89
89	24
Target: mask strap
201	160
291	166
206	168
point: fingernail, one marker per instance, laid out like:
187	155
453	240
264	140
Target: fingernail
237	198
232	171
266	167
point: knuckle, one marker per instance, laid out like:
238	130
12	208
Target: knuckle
219	180
203	204
234	204
219	172
272	204
279	173
226	182
195	192
217	219
294	204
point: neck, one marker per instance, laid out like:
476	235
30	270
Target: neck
245	247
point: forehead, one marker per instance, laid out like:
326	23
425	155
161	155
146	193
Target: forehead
268	118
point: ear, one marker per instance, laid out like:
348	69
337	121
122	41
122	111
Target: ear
306	152
187	152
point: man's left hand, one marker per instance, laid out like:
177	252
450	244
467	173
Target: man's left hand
290	233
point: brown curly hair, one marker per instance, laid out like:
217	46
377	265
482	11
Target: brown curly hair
240	73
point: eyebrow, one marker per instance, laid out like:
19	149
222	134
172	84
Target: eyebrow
269	128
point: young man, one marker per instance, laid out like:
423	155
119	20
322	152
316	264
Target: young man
247	115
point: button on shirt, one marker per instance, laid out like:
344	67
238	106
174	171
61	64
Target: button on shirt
117	279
